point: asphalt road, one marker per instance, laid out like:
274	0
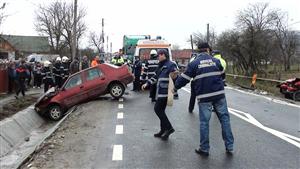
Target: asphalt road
119	134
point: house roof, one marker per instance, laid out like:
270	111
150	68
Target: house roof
182	54
30	44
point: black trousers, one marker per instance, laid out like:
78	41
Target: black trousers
58	81
47	84
11	84
37	80
152	92
21	87
160	110
137	84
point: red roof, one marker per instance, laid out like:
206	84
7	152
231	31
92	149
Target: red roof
181	54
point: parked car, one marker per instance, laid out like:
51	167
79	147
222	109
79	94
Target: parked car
82	86
291	88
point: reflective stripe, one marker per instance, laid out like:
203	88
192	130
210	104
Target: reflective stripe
210	94
151	73
207	75
163	79
152	65
186	77
162	95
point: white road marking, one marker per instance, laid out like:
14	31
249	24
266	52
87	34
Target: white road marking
119	129
268	98
250	119
120	115
117	153
121	106
121	99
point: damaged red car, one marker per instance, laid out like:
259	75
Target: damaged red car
291	88
82	86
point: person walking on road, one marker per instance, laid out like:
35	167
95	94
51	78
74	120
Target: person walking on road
161	78
137	70
21	74
206	73
149	71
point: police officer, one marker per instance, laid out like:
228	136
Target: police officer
161	78
137	70
66	66
118	60
149	71
58	72
193	95
206	73
47	76
217	54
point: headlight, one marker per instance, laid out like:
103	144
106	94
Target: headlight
45	98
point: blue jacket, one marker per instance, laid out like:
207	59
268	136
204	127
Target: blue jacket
205	71
161	78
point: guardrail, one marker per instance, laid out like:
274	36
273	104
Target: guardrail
248	77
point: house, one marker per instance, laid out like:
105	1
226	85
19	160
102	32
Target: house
12	46
182	56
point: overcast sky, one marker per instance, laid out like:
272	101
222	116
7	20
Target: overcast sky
174	20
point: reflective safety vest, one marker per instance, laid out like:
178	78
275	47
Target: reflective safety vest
118	62
223	62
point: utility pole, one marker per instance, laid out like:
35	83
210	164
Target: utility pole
192	43
102	36
74	41
207	33
110	47
107	44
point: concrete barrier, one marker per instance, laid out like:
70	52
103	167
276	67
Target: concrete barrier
14	130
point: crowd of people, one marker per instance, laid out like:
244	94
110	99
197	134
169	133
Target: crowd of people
23	75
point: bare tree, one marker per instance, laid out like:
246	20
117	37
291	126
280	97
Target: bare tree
175	47
49	22
96	41
254	25
286	39
68	23
199	37
56	21
2	15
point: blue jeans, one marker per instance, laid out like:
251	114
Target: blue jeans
205	110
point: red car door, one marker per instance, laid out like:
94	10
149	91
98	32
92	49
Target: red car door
96	82
73	91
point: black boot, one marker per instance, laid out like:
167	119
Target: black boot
202	153
159	134
167	133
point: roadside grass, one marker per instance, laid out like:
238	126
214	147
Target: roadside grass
267	86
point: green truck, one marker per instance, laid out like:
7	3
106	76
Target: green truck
130	42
